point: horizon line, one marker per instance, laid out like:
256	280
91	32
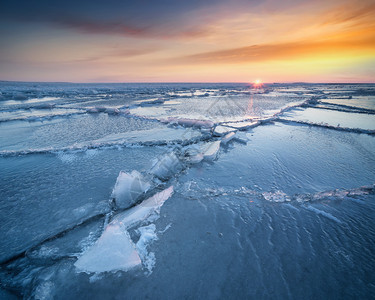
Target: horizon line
186	82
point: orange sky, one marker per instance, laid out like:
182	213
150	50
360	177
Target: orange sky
225	41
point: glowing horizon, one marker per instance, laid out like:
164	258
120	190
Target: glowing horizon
204	41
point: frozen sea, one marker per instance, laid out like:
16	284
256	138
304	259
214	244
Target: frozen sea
187	191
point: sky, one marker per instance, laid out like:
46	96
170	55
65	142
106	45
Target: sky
187	41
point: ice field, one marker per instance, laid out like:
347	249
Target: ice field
170	191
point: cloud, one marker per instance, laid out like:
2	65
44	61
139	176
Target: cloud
142	18
123	29
117	54
282	51
356	12
164	18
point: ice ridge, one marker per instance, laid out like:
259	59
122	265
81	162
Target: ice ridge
339	128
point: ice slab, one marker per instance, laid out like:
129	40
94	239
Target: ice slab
242	125
192	154
195	159
113	251
166	166
219	107
37	114
150	102
222	130
227	138
366	102
143	210
99	109
155	136
17	102
190	122
83	129
87	184
211	150
128	188
280	157
332	118
148	235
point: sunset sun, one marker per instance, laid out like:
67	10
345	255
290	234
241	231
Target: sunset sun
257	83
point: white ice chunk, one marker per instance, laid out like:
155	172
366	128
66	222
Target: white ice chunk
228	137
222	130
243	125
112	110
166	166
142	211
195	159
211	150
113	251
148	235
128	188
278	196
192	154
191	122
108	110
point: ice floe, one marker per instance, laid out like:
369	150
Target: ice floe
143	210
166	166
115	250
242	125
108	110
147	235
327	126
147	137
357	102
192	154
332	119
211	150
129	188
152	136
227	138
190	122
222	130
38	114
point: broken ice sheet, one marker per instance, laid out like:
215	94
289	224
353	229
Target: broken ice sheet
332	118
128	188
115	250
